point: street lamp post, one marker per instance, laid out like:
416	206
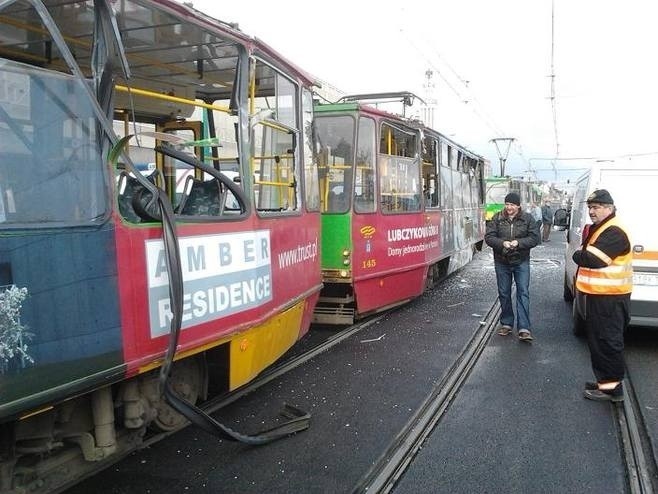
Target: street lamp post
502	146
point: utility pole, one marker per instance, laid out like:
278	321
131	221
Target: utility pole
502	146
429	107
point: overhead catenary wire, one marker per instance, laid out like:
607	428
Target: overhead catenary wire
579	166
464	98
553	97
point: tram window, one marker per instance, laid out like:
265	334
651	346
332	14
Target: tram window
430	172
311	184
274	168
53	167
365	198
286	101
446	187
275	137
466	187
399	170
475	190
458	189
335	137
444	154
453	158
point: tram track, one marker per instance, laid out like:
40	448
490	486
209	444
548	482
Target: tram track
287	365
215	404
393	462
633	438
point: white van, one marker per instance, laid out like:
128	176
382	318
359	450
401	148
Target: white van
633	185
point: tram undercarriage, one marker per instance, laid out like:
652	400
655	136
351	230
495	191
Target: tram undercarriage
47	450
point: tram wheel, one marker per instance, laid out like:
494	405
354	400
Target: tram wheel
186	379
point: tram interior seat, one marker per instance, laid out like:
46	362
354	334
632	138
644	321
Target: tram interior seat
202	198
130	189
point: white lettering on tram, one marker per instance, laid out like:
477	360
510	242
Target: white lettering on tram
222	275
299	254
420	232
412	248
204	303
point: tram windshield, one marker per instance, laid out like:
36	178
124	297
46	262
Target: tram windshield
52	165
335	137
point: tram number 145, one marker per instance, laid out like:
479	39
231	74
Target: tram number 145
369	263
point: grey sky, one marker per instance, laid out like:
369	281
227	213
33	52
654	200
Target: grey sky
491	62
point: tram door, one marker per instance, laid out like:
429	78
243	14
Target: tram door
183	134
447	203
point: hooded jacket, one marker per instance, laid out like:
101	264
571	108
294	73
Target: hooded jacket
522	228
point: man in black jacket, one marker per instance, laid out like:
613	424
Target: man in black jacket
511	234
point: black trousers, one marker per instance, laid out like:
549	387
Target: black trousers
607	317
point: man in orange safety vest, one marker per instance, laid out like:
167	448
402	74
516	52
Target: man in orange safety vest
605	276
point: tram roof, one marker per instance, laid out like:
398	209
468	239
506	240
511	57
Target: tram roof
353	106
166	43
417	124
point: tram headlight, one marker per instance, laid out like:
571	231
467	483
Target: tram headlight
346	257
344	273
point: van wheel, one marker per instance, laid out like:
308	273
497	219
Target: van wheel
578	323
566	294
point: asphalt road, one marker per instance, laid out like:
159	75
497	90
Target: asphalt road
519	424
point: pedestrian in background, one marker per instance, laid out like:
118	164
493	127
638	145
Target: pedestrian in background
605	276
547	220
535	211
511	233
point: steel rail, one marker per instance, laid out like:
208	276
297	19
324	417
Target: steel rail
217	403
287	365
89	469
391	465
631	431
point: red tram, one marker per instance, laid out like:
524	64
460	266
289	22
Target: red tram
105	268
403	206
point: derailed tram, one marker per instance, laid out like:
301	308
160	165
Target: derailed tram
402	207
159	224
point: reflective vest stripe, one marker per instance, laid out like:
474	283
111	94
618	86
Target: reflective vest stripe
614	279
606	281
599	253
613	270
